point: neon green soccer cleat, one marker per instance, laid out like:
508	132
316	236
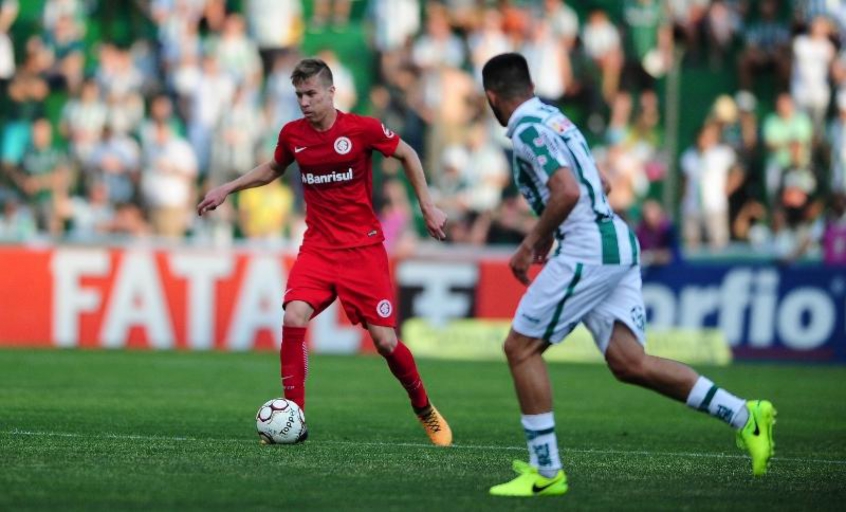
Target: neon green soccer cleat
756	436
530	483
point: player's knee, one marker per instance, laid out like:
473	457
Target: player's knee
516	350
296	317
385	344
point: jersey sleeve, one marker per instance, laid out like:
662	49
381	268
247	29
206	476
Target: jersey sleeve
379	137
282	155
546	152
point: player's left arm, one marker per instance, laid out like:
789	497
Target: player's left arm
564	193
413	168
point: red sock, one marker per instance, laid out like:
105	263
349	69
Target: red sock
293	361
402	365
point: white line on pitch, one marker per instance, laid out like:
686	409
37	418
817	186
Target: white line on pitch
416	445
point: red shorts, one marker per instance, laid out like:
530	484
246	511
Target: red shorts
359	276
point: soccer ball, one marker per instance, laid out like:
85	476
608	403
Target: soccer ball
280	421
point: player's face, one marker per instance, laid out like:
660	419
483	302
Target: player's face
493	101
315	98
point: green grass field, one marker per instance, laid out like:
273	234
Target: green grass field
92	430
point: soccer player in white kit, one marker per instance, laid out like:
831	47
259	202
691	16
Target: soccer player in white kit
592	277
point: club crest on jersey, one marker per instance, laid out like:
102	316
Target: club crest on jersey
384	308
343	145
388	132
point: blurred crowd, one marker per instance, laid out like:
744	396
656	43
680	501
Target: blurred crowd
104	139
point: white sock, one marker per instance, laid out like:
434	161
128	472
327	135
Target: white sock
719	403
543	445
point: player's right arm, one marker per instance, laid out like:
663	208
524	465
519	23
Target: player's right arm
564	193
260	175
257	177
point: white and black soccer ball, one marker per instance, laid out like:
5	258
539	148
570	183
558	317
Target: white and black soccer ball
280	421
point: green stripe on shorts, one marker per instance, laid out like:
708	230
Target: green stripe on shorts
610	247
550	329
633	242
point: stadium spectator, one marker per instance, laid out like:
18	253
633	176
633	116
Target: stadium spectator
281	106
688	18
83	119
438	47
235	138
175	19
90	217
396	216
813	56
337	10
116	74
486	40
483	171
237	54
797	226
209	100
710	176
511	222
394	22
265	213
63	49
766	42
722	23
548	60
55	10
564	22
160	111
17	224
781	128
44	177
346	94
25	103
834	236
277	26
837	143
625	174
739	130
125	112
647	43
603	47
115	163
656	236
450	186
448	91
168	176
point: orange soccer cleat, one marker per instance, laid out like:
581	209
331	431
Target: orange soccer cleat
435	426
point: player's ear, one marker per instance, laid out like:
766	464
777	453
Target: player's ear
491	96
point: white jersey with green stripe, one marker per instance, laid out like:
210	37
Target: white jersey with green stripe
545	140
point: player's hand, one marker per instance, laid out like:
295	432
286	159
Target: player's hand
520	263
213	199
542	249
435	222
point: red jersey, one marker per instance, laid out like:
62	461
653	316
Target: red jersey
337	174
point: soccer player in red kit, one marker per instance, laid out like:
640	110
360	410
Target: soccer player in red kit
342	254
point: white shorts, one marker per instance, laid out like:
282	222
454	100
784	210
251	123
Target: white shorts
566	293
